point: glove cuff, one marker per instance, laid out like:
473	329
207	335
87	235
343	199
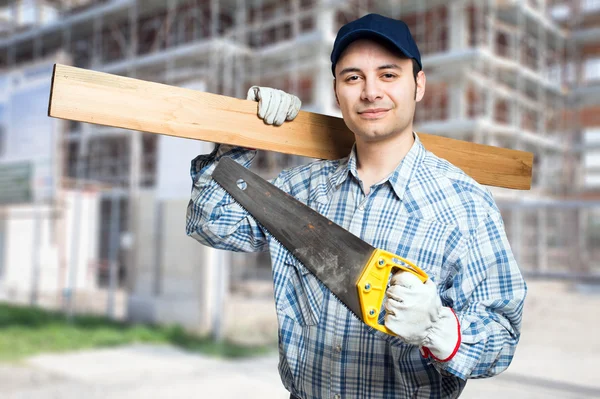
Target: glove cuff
444	339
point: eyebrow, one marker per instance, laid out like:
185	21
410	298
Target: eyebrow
386	66
390	66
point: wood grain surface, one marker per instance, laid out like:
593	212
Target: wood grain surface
105	99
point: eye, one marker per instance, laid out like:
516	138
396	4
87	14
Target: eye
352	78
389	75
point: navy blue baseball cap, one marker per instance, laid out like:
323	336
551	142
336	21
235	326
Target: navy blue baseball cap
394	32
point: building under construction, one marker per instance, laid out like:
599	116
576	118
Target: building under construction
522	74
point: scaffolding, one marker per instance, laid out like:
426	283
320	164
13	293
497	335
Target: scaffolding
508	73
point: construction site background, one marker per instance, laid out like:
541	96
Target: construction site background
92	218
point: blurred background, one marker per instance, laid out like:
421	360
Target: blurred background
92	219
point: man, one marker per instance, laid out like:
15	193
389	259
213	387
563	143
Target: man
464	322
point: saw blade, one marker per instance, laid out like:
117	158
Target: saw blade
332	254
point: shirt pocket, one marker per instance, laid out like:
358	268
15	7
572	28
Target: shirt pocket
303	292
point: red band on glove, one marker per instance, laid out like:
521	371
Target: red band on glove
426	353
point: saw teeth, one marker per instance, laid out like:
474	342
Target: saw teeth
283	246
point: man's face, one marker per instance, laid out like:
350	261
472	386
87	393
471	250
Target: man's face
376	91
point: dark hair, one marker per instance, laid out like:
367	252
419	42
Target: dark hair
416	68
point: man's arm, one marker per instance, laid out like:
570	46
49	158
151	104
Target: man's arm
488	297
213	217
472	328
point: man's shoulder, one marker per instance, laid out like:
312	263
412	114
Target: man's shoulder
449	194
445	172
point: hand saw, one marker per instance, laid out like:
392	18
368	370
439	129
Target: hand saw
354	271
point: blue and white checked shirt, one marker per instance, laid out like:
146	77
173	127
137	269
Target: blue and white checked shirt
427	211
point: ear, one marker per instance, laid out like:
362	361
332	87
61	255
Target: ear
420	90
335	92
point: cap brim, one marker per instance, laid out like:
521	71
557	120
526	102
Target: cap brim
346	40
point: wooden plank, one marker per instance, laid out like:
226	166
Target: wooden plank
95	97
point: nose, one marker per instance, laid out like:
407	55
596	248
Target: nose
371	90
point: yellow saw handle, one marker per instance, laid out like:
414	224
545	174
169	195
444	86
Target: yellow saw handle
373	281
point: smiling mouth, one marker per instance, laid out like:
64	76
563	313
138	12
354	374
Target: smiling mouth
373	113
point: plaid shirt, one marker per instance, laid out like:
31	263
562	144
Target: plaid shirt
427	211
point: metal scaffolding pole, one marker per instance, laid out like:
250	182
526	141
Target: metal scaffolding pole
113	248
131	242
71	288
35	254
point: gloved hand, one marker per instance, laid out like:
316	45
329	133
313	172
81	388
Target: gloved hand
415	313
274	106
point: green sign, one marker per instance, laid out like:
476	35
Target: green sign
15	183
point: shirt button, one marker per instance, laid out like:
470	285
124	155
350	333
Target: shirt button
337	396
361	207
338	348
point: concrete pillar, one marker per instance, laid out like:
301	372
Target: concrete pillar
323	97
217	51
544	159
516	241
516	49
575	240
458	99
457	27
584	215
542	236
98	25
491	32
178	281
14	24
241	37
16	14
3	239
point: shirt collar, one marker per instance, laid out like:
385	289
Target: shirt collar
346	167
398	179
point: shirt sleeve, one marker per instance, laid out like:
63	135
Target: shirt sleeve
488	297
213	217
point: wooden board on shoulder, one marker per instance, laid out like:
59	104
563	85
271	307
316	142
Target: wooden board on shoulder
105	99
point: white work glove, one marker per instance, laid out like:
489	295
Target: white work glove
274	106
415	313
